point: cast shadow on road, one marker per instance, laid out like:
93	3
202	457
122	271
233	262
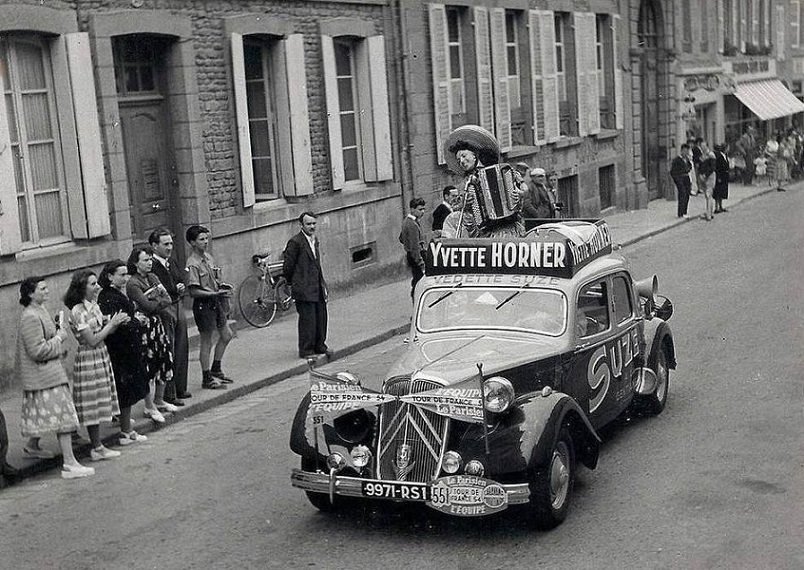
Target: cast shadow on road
404	521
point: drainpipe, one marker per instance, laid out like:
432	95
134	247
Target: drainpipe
402	82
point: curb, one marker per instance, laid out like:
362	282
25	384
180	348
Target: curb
223	397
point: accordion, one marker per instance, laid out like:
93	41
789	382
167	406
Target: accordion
494	192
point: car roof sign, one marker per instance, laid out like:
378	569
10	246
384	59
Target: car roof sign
557	249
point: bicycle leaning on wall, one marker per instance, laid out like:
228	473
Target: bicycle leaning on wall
260	295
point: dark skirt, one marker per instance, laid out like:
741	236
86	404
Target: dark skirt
131	383
721	191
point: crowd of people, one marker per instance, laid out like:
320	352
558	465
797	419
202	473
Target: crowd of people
132	346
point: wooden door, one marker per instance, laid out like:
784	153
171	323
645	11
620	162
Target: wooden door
149	167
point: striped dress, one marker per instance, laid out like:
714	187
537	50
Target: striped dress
94	392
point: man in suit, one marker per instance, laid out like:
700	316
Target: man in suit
412	239
721	191
536	202
444	209
172	277
680	173
302	269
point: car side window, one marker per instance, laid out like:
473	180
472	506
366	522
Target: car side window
621	294
592	315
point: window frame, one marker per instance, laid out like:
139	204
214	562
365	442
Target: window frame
513	43
561	56
629	297
457	82
27	192
604	281
349	44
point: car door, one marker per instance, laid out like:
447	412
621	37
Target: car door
625	343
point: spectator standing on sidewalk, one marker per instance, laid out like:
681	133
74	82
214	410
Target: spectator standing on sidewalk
721	190
210	307
695	153
706	172
536	202
94	390
47	401
412	239
444	209
680	173
151	299
172	277
7	472
775	150
302	269
125	346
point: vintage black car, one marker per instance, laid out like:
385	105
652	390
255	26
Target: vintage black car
520	350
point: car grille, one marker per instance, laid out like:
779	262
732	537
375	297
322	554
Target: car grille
424	432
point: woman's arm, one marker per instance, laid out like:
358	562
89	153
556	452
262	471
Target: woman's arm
33	338
136	292
91	337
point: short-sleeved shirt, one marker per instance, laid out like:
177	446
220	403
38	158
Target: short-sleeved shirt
86	315
201	272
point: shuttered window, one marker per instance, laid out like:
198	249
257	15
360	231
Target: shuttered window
704	8
273	131
561	56
586	73
42	201
512	59
455	60
795	24
485	92
544	81
358	118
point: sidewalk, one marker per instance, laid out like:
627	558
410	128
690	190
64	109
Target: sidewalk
259	357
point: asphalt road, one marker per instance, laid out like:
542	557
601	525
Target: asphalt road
716	481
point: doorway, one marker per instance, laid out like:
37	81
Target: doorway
654	152
145	126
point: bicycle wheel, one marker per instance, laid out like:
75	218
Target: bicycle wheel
253	300
284	301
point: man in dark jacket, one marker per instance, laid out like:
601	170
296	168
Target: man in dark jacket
721	191
412	240
302	269
536	202
172	277
444	209
680	173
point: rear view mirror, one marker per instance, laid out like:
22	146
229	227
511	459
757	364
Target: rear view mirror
664	308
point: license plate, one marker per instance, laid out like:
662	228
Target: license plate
396	490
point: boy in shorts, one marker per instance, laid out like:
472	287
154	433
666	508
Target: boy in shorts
210	306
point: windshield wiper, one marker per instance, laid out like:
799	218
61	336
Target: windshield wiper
511	296
445	295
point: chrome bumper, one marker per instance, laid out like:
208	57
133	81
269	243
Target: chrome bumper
318	482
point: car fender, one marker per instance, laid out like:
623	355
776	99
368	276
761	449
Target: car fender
298	431
519	435
658	335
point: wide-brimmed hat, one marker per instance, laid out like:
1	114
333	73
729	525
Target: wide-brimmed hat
475	138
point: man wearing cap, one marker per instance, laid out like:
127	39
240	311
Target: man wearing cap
536	202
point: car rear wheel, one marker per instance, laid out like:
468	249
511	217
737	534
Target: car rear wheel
655	403
551	486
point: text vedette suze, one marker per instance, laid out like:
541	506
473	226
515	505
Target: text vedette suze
500	255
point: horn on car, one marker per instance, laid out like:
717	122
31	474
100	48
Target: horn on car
648	287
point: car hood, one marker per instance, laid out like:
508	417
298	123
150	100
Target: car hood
455	358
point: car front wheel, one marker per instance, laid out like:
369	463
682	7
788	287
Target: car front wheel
655	403
551	485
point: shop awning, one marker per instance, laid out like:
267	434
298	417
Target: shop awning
768	99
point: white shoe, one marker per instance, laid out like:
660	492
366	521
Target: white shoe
76	471
131	437
155	415
102	453
167	407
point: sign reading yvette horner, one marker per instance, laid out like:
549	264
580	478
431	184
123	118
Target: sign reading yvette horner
555	249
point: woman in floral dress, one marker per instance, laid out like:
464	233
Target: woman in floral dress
47	403
152	299
94	390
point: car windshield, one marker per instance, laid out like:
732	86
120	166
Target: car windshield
542	311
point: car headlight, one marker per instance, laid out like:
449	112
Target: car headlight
452	462
474	467
336	461
498	394
354	427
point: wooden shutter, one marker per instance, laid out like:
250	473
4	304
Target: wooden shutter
241	119
767	20
721	26
743	7
10	237
795	23
547	37
442	92
755	22
378	78
618	73
485	101
333	112
780	36
536	80
302	183
87	126
586	74
499	58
